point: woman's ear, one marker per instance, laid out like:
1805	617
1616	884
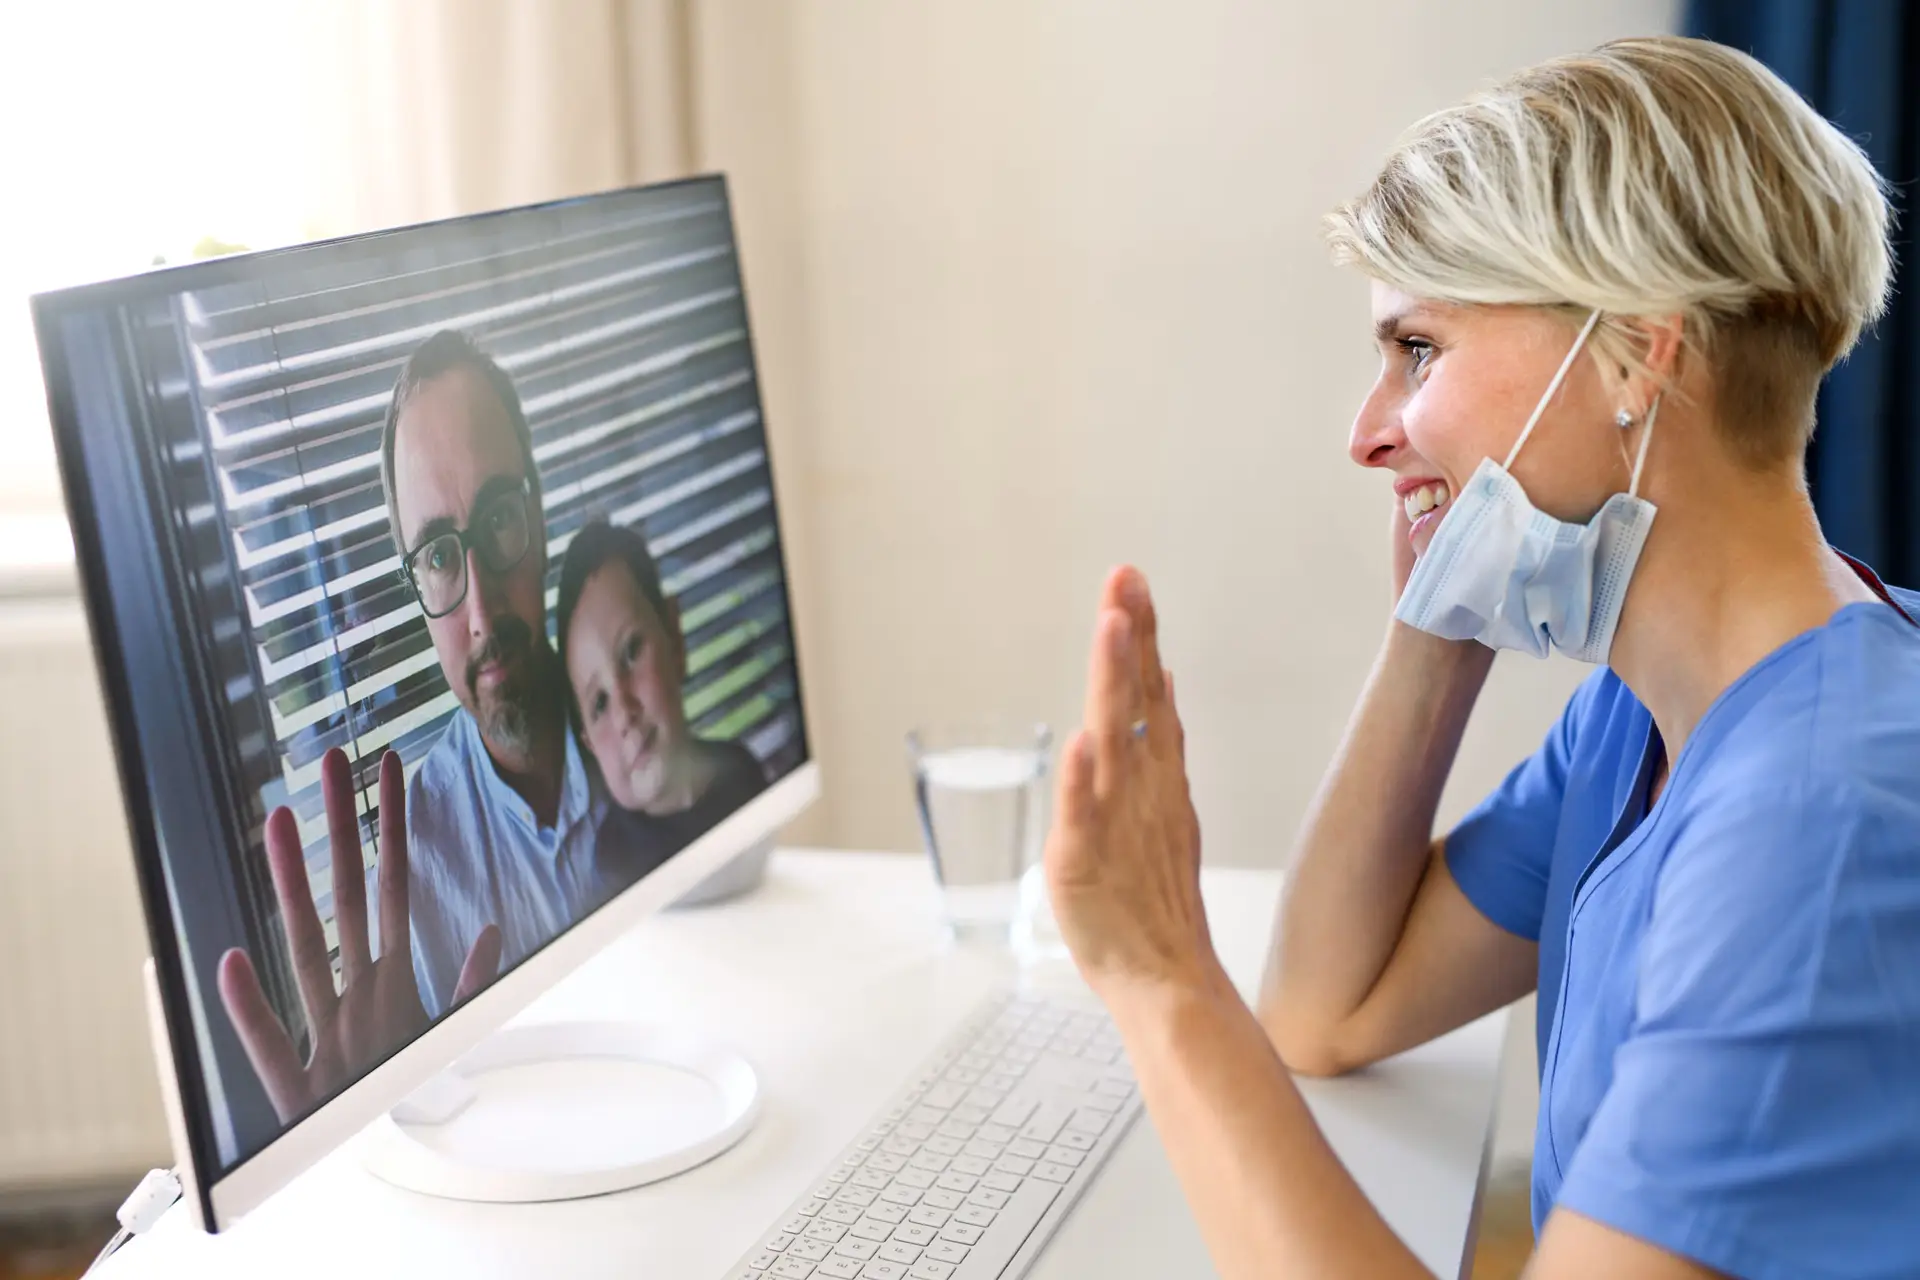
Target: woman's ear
1660	343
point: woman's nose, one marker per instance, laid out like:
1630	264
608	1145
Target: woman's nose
1376	438
628	706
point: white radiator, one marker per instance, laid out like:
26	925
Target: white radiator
79	1102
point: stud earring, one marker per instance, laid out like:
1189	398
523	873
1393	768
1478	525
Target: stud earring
1623	419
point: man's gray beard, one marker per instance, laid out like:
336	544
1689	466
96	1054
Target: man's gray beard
511	723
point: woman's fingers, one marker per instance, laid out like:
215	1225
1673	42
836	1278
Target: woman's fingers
1075	798
396	928
1113	701
349	868
275	1061
312	970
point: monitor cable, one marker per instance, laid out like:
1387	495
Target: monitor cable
157	1193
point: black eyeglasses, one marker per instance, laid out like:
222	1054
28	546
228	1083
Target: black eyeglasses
500	534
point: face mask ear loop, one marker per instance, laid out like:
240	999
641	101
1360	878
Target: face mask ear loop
1593	318
1646	438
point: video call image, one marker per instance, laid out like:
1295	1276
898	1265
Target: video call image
475	593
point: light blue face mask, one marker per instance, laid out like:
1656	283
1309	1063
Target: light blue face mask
1501	571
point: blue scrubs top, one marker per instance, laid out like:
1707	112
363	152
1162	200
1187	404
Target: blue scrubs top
1730	982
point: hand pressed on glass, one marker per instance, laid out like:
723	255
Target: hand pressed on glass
377	1008
1123	857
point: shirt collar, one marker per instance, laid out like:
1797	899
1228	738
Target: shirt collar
576	795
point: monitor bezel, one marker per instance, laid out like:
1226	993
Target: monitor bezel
219	1198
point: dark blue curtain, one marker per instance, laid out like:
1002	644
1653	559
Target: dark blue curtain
1858	61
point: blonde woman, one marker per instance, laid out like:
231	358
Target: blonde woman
1604	293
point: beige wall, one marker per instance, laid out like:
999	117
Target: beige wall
1039	288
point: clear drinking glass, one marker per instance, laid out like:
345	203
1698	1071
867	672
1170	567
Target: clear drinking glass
982	792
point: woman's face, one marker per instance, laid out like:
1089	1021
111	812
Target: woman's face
626	664
1457	385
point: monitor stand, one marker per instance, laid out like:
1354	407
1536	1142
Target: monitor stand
556	1111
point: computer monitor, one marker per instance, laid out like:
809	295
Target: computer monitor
474	520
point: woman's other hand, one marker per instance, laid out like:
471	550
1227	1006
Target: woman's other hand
1123	856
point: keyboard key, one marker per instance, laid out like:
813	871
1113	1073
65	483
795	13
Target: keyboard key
885	1163
918	1179
1047	1171
945	1146
1014	1165
997	1133
1065	1155
980	1149
779	1243
928	1269
901	1195
882	1271
954	1131
975	1216
892	1214
862	1196
791	1269
828	1231
1078	1141
762	1260
1027	1149
943	1096
904	1254
969	1115
943	1199
1114	1088
844	1214
751	1274
934	1162
1089	1121
926	1117
868	1229
899	1146
989	1198
810	1250
927	1216
915	1131
981	1096
839	1268
947	1251
1002	1182
1000	1081
914	1233
838	1176
812	1207
956	1182
824	1191
966	1076
1100	1102
1046	1123
961	1233
873	1179
854	1247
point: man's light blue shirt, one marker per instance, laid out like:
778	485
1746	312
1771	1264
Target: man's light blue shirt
478	856
1730	980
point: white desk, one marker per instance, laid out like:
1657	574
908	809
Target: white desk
834	980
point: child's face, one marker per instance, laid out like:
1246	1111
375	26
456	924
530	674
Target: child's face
626	664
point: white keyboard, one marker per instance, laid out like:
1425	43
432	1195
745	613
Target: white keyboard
969	1173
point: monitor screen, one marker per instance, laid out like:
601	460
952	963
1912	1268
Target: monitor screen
439	596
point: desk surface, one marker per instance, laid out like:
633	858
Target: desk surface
834	979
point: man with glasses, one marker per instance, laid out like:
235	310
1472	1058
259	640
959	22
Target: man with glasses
494	853
500	813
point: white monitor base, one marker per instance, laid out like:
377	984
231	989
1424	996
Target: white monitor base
556	1111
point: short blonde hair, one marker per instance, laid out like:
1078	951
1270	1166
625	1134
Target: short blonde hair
1650	177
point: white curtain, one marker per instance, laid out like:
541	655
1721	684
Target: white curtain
422	109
